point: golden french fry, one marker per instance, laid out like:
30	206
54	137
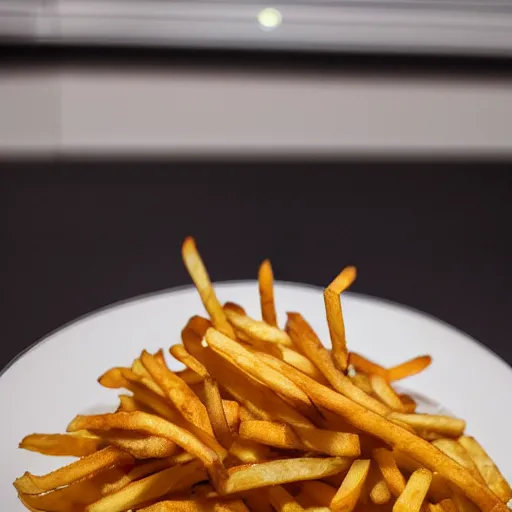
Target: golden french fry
74	496
444	425
377	486
249	451
459	454
364	365
198	505
82	468
143	469
141	446
246	360
408	402
145	377
153	425
256	329
282	500
189	376
386	393
279	435
266	287
487	468
302	363
409	368
335	315
350	490
415	492
320	493
116	378
308	342
439	488
183	398
129	403
390	472
149	488
61	444
182	355
232	413
281	471
199	275
216	413
246	415
362	381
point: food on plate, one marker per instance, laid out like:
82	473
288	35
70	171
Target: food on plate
263	418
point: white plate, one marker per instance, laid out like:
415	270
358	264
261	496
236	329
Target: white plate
56	378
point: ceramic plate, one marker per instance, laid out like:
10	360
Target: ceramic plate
56	378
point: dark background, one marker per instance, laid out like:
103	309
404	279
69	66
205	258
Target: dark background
78	235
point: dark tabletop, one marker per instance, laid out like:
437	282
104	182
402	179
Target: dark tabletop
76	235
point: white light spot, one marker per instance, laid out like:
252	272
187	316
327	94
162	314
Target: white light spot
269	18
204	343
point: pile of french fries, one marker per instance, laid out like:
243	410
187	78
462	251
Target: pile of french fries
263	419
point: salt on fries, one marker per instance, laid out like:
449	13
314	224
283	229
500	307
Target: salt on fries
263	419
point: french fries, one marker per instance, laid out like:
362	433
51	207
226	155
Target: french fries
266	286
263	420
490	473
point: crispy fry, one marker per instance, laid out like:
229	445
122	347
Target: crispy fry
409	368
143	469
216	413
390	471
309	343
181	354
412	497
141	446
61	444
184	399
362	381
302	363
149	488
246	360
489	471
199	275
348	494
386	393
363	365
130	403
335	315
282	500
280	435
199	505
321	493
153	425
257	329
232	413
377	486
71	497
89	465
439	488
249	451
282	471
445	425
459	454
408	402
189	376
266	287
